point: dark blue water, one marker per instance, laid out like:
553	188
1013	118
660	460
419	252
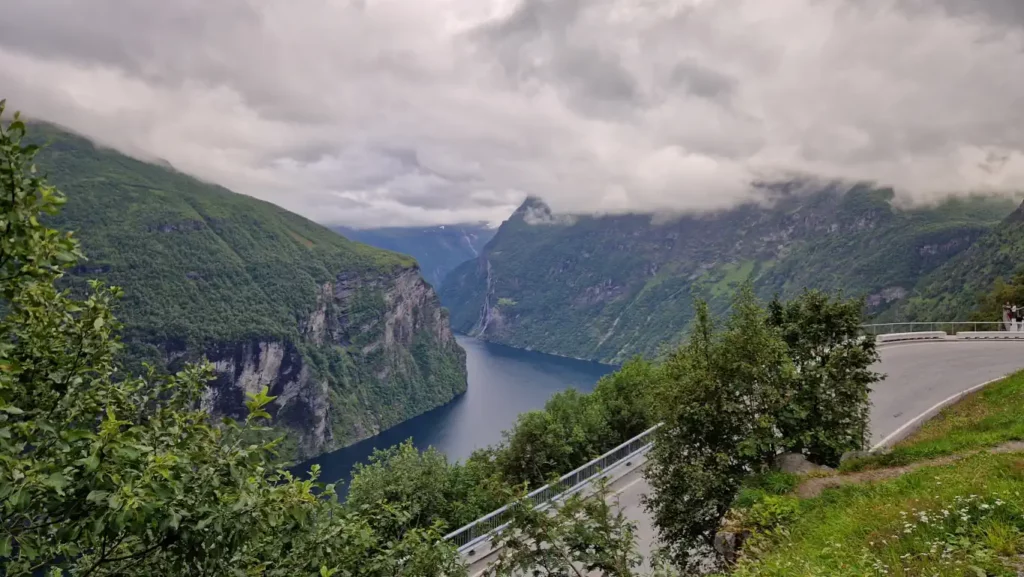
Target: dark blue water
503	382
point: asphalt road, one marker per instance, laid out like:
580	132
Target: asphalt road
917	377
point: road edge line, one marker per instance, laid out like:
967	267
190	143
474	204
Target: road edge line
905	429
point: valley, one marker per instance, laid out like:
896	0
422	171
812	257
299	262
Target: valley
438	249
503	383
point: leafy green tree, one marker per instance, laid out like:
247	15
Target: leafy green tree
623	397
753	364
481	486
827	404
565	435
421	482
106	473
429	490
718	397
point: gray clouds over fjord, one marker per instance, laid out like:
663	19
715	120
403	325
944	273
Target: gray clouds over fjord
390	112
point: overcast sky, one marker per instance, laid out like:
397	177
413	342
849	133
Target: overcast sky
396	112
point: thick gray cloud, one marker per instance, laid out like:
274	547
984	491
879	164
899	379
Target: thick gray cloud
390	112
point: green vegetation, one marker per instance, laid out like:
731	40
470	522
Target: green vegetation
731	401
428	487
611	287
987	418
961	516
585	533
961	519
207	272
990	304
793	378
197	261
973	278
732	276
102	473
827	412
437	249
760	487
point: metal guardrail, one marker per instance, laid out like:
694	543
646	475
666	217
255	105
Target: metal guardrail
991	335
914	336
950	328
471	534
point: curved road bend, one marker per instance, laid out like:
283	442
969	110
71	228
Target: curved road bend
917	376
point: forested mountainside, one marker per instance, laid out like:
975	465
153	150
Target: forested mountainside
609	287
952	291
349	338
437	249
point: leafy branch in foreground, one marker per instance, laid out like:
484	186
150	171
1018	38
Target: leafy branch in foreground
581	535
105	473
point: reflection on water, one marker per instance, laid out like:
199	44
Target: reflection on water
503	382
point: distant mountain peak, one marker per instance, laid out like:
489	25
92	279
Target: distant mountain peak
535	211
1017	216
612	286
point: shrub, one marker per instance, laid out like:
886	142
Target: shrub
771	512
827	405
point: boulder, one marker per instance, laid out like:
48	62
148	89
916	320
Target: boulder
728	544
798	464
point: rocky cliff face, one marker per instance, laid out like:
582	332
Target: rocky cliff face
608	287
409	322
349	338
953	291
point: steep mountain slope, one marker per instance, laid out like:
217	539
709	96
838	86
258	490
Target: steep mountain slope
437	249
608	287
951	292
349	338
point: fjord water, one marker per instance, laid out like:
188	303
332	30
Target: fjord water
503	382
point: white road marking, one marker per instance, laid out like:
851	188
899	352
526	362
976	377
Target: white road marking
941	404
628	485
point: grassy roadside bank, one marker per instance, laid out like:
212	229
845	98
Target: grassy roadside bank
986	418
961	517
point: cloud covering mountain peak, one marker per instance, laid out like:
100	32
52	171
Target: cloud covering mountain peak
399	112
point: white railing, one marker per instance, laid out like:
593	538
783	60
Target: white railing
948	327
468	536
